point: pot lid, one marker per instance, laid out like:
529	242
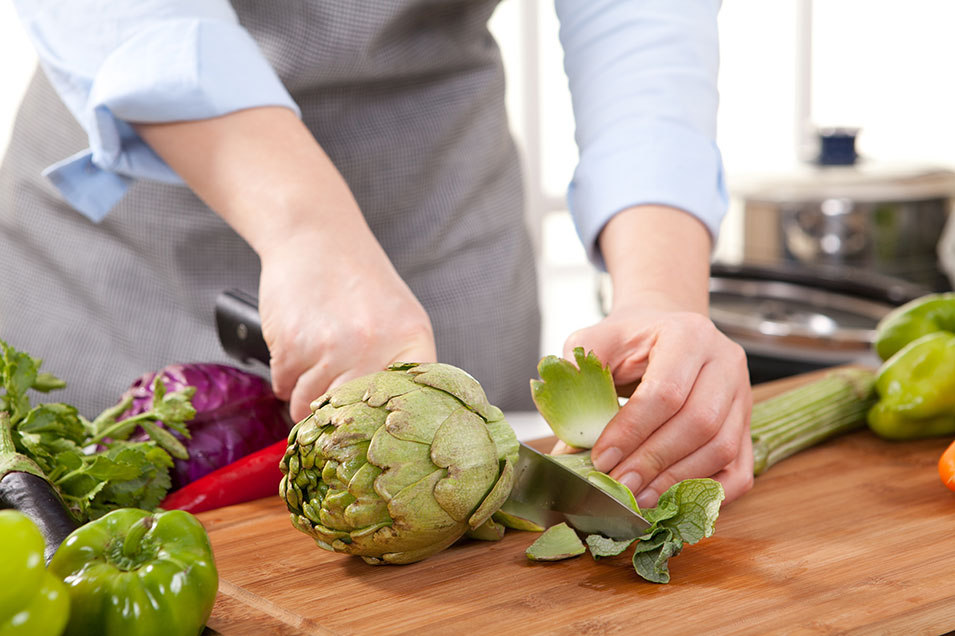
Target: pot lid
865	181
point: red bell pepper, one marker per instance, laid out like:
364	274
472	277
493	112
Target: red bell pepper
253	477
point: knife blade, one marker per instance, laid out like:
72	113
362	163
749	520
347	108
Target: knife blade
545	491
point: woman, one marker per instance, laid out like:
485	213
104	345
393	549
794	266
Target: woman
351	163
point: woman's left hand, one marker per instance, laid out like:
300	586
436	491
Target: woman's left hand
688	416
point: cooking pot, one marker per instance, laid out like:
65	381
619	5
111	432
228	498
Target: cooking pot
884	218
797	319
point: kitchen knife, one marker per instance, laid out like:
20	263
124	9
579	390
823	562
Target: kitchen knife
545	491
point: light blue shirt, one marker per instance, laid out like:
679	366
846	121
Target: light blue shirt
642	75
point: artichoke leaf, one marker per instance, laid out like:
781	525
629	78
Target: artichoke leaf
576	401
490	530
403	463
463	446
416	416
352	424
418	521
384	386
347	393
456	382
496	498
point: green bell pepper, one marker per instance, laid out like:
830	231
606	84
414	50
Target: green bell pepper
916	388
136	573
33	602
917	318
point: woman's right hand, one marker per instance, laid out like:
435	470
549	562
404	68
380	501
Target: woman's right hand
334	309
332	305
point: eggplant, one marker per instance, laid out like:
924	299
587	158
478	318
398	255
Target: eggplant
36	498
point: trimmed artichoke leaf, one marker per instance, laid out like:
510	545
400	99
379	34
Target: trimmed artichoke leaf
496	498
368	508
352	424
606	547
386	386
347	393
463	446
556	543
403	463
490	530
503	435
578	401
419	521
306	432
417	414
332	513
455	381
410	556
351	462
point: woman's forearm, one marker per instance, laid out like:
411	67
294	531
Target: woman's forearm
264	173
660	255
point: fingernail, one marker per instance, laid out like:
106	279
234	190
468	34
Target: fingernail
647	499
607	459
631	480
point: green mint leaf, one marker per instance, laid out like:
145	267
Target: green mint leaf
689	508
651	557
576	401
601	546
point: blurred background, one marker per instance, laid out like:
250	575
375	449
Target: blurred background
836	130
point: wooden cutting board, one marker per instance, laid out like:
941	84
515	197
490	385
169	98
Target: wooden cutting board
854	536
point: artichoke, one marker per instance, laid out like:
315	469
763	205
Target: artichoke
398	465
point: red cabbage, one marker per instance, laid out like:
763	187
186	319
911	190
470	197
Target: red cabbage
236	415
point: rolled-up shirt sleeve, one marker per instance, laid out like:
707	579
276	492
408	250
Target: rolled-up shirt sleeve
115	62
642	76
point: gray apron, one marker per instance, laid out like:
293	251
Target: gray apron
405	96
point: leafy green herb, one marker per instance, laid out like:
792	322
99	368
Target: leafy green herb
576	401
91	464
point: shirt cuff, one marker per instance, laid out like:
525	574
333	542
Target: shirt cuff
659	163
179	70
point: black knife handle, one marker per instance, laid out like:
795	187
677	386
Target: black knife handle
240	327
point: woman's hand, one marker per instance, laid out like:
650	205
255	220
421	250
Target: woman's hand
689	414
332	305
331	314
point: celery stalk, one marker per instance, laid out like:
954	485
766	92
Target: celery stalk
800	418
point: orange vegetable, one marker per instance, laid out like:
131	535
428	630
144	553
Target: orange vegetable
946	467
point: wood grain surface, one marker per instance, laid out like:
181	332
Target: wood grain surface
851	537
